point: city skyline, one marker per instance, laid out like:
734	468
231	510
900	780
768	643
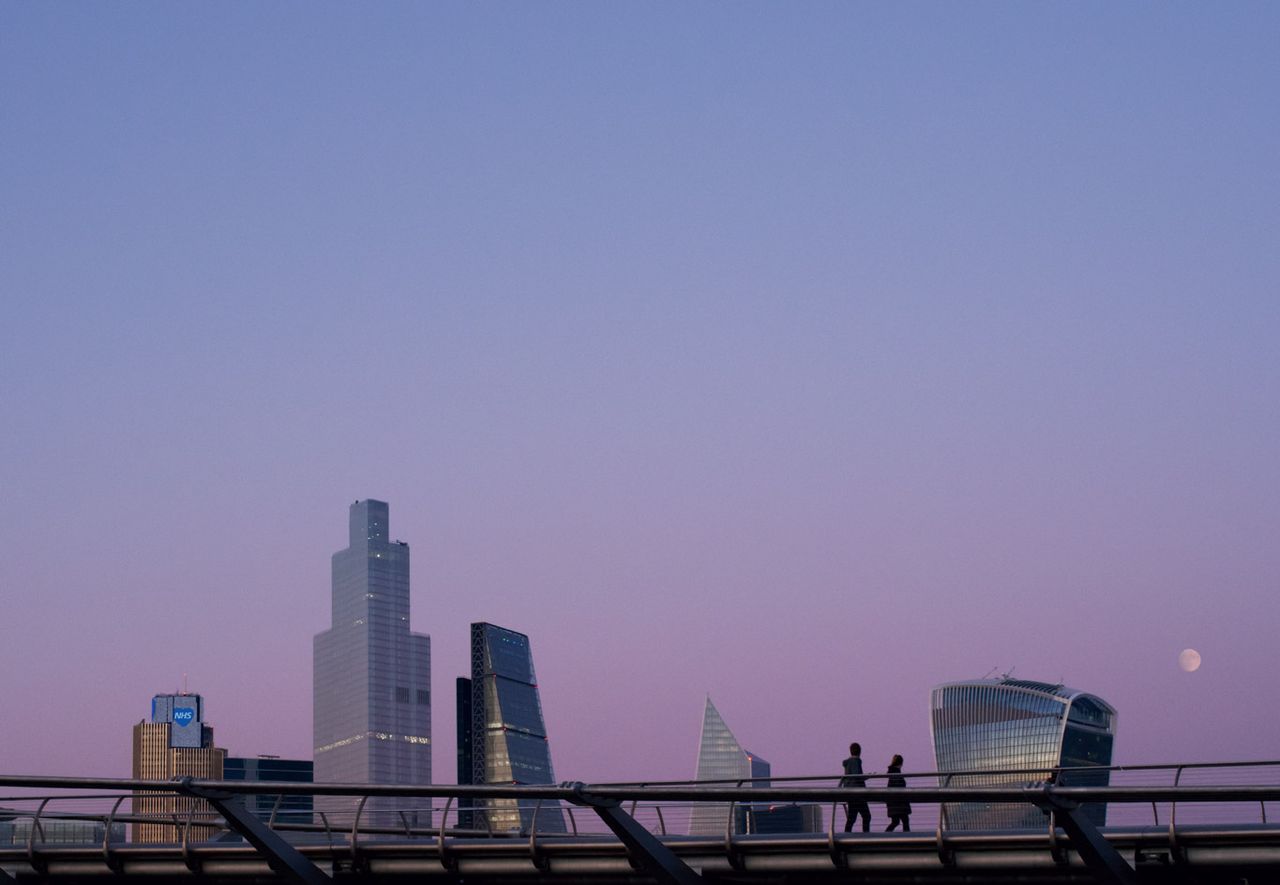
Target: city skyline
378	531
807	357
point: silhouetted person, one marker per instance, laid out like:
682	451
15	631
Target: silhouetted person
899	809
853	778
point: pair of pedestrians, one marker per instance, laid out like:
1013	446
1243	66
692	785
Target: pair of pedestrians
899	810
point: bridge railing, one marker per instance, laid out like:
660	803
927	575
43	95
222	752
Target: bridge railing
47	811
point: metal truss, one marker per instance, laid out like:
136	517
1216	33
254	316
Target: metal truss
280	855
645	849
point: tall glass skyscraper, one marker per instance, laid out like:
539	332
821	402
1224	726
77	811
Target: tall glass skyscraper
721	758
502	738
372	676
1002	724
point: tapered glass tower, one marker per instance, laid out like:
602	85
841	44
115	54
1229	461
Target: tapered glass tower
722	758
372	676
1020	731
502	738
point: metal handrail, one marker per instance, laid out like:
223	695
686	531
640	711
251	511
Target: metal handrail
274	809
943	855
837	856
1038	772
186	836
1141	794
728	827
440	843
1175	851
106	833
36	825
355	826
551	791
734	860
666	799
538	860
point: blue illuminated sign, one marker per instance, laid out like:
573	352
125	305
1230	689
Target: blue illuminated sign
184	715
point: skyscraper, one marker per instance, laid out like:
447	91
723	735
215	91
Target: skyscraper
175	743
1016	724
372	676
462	718
722	758
503	740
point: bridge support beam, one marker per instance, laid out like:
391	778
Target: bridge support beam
1100	855
645	848
280	855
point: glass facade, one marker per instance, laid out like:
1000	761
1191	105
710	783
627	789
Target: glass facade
1036	727
503	739
285	809
15	829
762	818
372	676
721	757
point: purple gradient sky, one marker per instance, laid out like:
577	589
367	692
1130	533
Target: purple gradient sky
807	356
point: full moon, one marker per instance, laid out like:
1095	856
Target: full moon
1189	660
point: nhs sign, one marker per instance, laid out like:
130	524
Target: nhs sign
185	715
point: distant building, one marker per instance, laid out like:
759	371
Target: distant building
267	807
1035	727
462	718
372	677
503	739
15	829
722	758
177	742
766	819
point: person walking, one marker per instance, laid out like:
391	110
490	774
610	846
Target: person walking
853	778
899	810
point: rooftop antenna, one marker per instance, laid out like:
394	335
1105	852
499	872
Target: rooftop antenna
987	675
184	683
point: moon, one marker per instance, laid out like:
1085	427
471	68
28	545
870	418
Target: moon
1189	660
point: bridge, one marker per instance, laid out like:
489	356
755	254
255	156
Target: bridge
1165	823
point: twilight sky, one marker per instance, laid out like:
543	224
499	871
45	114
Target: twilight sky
808	355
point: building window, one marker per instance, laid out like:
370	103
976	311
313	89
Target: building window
424	696
402	695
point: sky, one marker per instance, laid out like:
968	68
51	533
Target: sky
802	355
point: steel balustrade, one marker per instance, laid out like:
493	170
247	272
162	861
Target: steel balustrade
1067	847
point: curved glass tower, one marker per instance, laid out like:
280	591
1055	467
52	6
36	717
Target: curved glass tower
993	725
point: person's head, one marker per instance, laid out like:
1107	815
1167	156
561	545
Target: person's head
897	760
855	749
